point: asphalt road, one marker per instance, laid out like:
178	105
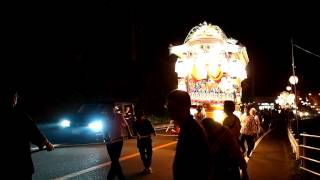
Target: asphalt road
92	161
269	160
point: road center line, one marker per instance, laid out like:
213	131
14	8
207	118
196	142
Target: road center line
68	176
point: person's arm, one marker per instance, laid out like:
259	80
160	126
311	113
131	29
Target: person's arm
49	146
256	118
35	135
134	129
120	117
152	130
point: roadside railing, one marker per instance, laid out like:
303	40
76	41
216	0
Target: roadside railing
294	143
303	156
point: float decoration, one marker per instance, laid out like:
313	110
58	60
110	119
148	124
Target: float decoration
210	66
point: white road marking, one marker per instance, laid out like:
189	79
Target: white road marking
78	173
167	135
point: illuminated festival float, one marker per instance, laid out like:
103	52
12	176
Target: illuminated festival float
211	67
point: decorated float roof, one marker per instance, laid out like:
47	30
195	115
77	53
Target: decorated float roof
203	31
212	37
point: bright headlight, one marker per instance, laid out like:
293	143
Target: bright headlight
65	123
95	126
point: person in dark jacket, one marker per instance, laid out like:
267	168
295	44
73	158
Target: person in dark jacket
24	132
191	160
143	129
225	154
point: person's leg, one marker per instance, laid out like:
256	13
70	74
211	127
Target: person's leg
242	140
142	150
250	142
110	149
149	153
117	152
130	128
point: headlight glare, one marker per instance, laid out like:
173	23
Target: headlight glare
95	125
65	123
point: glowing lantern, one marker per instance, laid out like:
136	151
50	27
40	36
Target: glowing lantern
288	88
293	80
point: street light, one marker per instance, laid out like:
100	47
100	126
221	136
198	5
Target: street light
293	80
288	88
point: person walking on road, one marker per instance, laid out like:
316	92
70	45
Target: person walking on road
143	129
191	160
249	131
225	154
231	121
114	141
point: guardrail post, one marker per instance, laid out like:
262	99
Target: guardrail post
304	142
298	149
305	147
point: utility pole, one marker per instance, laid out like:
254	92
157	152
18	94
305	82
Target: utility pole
295	87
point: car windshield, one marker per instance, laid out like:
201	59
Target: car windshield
89	108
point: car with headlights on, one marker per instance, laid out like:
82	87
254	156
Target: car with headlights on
88	124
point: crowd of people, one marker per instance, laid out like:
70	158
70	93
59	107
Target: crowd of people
27	133
205	149
216	150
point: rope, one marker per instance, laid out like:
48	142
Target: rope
307	51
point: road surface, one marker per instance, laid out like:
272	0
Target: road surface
92	161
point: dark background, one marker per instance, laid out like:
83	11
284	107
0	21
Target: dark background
62	53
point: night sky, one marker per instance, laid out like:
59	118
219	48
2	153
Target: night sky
60	51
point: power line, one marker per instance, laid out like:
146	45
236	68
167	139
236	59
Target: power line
307	51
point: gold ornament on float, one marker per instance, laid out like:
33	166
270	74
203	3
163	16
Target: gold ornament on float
214	72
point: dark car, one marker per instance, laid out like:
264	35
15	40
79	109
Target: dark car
88	124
